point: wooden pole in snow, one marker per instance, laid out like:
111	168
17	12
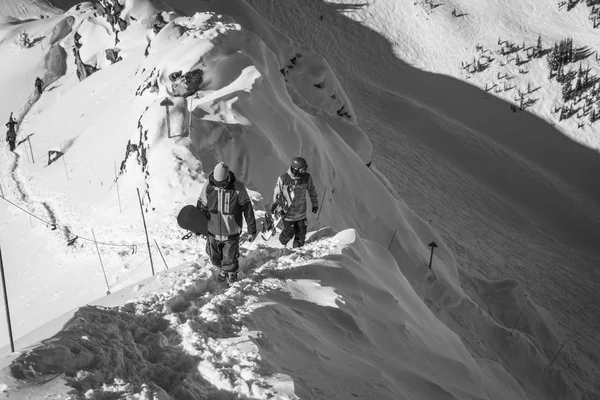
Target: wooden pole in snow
145	230
10	334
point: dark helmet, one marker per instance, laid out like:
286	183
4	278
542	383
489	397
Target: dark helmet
299	166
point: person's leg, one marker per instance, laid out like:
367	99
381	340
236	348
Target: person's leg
214	251
231	253
287	233
300	233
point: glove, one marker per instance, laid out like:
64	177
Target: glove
315	209
252	236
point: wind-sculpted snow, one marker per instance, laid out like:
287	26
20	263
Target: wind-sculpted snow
341	317
300	324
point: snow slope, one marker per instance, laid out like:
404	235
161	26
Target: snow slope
261	100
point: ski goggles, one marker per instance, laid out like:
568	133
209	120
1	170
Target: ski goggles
299	171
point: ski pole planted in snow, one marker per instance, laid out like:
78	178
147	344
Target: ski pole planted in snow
433	246
160	252
145	230
12	344
101	264
166	103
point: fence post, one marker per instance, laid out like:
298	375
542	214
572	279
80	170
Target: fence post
117	181
30	148
322	200
10	334
101	264
145	230
160	252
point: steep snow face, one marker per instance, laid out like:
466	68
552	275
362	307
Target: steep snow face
25	9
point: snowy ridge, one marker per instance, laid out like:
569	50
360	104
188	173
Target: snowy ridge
300	323
258	338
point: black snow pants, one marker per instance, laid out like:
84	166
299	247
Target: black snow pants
224	253
295	230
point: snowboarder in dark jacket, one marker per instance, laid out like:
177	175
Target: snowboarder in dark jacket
11	135
292	188
39	85
225	201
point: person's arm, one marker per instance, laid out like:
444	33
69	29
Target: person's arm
312	193
202	203
248	210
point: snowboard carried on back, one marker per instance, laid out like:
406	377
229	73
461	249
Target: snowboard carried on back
193	220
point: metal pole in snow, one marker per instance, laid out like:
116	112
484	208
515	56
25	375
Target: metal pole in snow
117	181
433	246
563	345
145	230
517	321
10	334
30	148
64	162
166	103
391	241
160	252
101	264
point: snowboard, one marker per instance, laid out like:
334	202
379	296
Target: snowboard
269	228
192	219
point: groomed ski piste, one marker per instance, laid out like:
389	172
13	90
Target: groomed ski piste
355	313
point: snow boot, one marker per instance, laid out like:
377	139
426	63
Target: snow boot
232	277
222	277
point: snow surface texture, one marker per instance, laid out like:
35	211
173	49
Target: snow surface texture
300	324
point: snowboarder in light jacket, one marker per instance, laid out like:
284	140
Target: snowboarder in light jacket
225	201
293	186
